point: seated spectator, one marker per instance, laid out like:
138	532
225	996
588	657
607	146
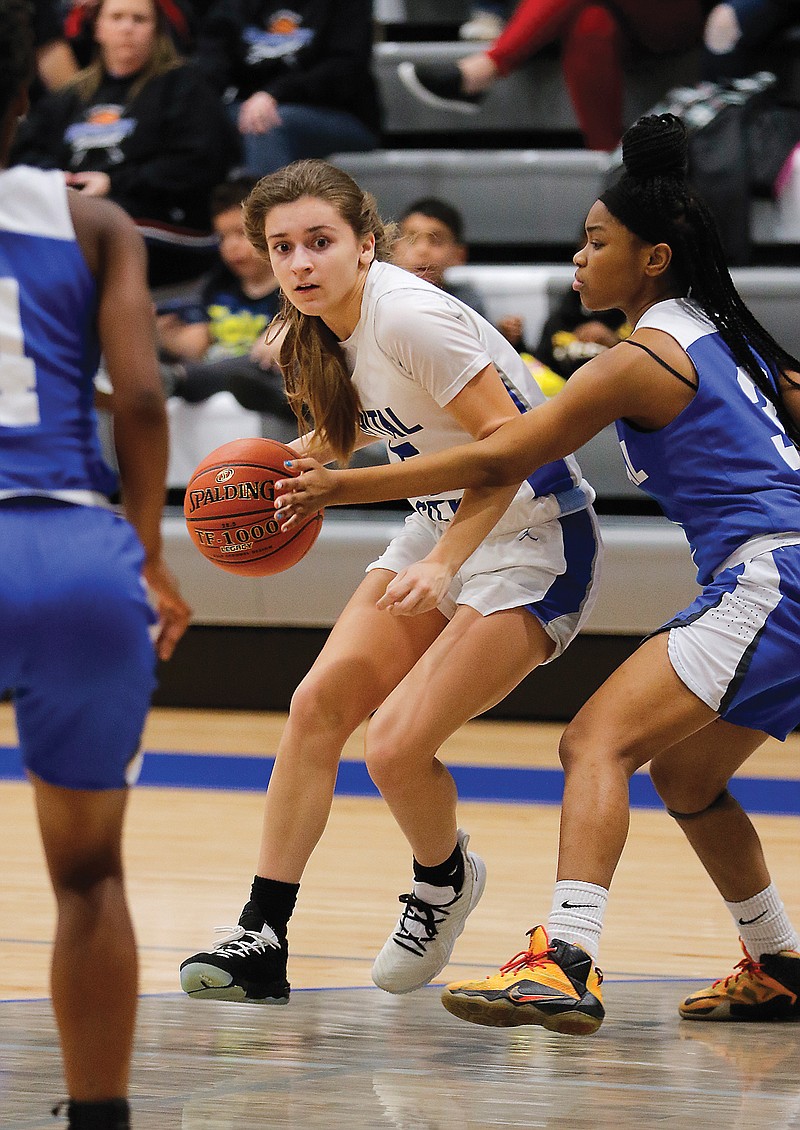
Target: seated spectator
594	35
143	129
178	18
298	80
736	31
217	343
572	335
430	240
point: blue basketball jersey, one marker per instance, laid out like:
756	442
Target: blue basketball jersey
49	350
724	468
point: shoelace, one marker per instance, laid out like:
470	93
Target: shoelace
747	965
240	942
422	914
526	960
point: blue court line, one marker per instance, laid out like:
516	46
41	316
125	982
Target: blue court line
506	785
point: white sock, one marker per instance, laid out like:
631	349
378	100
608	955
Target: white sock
763	923
577	915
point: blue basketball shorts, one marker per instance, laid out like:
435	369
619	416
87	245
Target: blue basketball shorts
75	648
737	646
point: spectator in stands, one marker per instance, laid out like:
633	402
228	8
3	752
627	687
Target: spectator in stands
142	129
430	241
179	22
735	31
217	343
486	21
594	38
298	80
572	335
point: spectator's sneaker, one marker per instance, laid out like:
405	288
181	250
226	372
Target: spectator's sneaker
420	945
246	965
552	983
767	989
438	85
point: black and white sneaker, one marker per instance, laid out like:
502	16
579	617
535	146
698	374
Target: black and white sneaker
421	943
245	965
438	85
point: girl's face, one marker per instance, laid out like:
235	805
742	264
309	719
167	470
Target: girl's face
612	266
126	33
319	261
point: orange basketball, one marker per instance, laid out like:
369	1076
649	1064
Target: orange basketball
229	509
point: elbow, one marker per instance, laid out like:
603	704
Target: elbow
493	471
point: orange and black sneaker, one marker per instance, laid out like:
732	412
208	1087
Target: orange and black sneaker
552	983
767	989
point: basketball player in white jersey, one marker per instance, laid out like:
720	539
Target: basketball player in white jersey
373	351
707	407
75	623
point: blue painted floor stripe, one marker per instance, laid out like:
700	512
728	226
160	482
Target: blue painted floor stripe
475	782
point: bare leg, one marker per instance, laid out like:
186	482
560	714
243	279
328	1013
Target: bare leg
365	657
451	683
689	777
640	711
94	965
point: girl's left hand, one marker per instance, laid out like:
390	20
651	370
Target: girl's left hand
304	494
419	588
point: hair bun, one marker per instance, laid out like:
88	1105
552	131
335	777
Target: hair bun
656	146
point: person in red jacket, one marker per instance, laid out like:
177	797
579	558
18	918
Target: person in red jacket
594	35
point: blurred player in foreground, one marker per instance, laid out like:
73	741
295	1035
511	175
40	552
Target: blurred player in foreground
76	652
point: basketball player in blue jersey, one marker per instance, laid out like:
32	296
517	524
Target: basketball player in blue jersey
75	622
707	407
373	351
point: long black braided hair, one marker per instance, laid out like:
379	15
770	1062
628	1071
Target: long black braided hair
17	60
654	200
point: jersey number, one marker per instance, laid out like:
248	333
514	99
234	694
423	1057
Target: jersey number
19	404
783	445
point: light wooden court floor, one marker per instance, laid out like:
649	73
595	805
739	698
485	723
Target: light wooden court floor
343	1054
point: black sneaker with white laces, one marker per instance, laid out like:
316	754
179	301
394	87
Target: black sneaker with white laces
438	85
245	965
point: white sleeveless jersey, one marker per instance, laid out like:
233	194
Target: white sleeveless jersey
414	349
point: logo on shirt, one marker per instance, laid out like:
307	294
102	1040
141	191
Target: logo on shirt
103	127
282	38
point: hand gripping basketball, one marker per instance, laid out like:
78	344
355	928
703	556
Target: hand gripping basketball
229	507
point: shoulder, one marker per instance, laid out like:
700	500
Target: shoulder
105	232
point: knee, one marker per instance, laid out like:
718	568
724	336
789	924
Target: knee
88	879
594	24
584	746
320	706
386	752
683	793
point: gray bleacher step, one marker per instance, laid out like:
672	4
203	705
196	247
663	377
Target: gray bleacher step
515	196
418	13
533	98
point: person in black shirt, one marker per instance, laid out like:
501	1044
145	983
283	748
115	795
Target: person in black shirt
299	81
142	129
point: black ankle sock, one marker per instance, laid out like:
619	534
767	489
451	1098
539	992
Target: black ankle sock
272	902
447	874
113	1114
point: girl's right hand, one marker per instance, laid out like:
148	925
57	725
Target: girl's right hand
304	494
